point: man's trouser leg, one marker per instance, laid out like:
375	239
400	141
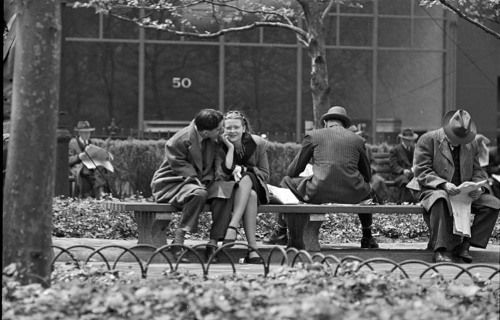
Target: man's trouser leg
221	216
482	227
191	209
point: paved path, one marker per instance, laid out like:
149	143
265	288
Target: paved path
485	261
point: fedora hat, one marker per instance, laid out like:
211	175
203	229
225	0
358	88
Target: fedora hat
459	127
83	126
408	134
337	113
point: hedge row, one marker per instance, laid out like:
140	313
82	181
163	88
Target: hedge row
135	162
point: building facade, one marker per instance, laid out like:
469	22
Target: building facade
392	65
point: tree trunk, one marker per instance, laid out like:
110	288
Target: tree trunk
320	86
29	184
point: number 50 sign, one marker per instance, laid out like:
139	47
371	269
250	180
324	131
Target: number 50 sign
178	82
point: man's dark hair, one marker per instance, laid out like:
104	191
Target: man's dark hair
208	119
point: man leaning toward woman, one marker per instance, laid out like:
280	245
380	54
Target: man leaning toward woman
187	172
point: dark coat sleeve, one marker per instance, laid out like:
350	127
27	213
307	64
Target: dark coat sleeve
302	158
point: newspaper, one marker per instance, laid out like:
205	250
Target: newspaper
461	207
281	195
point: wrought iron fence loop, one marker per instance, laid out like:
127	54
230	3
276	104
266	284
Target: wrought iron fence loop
63	250
441	264
389	261
216	252
299	254
290	257
283	252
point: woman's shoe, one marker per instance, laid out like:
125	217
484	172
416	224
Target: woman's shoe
253	260
226	241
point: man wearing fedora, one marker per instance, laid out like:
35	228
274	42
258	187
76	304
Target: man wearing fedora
444	159
401	162
90	181
341	169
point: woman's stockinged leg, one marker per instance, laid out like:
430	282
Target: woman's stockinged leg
250	221
241	196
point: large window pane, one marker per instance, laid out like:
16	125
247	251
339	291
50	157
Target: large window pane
99	82
350	74
277	35
331	30
425	34
180	81
394	32
394	7
114	28
410	88
262	82
356	31
79	22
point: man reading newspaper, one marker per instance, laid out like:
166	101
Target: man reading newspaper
444	159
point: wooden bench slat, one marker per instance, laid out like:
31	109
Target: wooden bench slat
277	208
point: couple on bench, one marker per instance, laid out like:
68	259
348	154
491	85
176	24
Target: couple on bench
217	160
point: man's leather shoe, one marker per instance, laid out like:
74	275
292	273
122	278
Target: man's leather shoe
209	251
465	255
441	256
369	243
177	253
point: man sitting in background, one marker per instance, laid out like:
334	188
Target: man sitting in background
89	164
401	162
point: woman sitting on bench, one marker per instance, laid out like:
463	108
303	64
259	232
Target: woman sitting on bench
246	166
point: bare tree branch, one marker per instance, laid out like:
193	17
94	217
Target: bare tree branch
209	35
466	18
327	10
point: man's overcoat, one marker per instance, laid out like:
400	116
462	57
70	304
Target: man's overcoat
434	166
184	165
341	169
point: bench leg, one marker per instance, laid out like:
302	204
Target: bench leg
151	231
311	234
303	232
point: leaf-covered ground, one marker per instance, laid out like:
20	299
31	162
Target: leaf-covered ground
85	219
287	293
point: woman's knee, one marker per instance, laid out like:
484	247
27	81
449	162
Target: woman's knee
253	195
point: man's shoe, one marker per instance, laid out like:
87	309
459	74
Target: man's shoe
209	252
278	237
177	253
465	255
369	243
441	256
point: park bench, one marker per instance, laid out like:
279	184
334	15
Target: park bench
153	218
